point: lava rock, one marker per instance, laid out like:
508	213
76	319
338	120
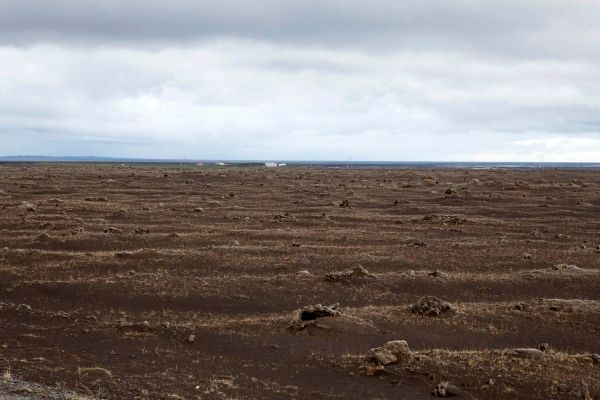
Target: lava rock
356	274
439	274
445	389
432	306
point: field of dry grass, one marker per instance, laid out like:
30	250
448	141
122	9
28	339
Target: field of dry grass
151	282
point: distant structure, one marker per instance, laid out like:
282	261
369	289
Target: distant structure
274	164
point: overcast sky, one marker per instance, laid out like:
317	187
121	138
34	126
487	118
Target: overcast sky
303	80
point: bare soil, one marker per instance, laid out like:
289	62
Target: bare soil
151	282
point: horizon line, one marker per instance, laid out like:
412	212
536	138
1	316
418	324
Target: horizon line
185	160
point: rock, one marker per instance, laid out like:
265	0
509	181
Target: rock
390	353
124	254
439	274
382	357
96	198
309	314
143	326
445	219
198	209
432	306
429	181
120	213
123	323
345	203
527	256
519	307
527	352
286	217
595	358
419	243
566	267
234	243
544	346
397	347
61	314
43	237
94	372
191	338
139	230
445	389
112	229
24	307
451	191
313	312
303	274
27	206
356	274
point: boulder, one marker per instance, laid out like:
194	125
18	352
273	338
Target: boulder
382	357
431	306
399	348
311	312
390	353
308	315
357	274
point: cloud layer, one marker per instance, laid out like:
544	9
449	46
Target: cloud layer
301	80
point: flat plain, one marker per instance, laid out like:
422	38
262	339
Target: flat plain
154	282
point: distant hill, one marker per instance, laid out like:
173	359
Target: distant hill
315	163
28	158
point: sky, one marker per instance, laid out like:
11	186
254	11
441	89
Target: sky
416	80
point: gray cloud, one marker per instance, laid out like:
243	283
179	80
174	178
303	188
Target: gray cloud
540	28
304	80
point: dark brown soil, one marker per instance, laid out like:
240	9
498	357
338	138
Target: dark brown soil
107	271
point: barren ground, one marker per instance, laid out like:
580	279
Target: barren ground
106	271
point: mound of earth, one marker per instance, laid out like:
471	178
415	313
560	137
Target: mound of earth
431	306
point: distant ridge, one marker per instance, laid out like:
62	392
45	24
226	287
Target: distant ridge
311	163
29	158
